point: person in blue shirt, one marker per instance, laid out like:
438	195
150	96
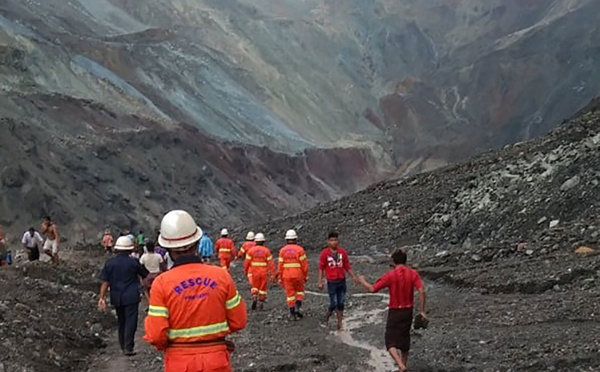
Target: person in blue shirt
206	248
122	275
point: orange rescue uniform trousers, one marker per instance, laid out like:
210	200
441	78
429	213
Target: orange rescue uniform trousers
198	359
225	261
258	283
294	290
225	248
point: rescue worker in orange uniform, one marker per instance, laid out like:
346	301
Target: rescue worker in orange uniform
260	269
193	306
249	243
293	273
225	248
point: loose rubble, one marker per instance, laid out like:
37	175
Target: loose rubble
509	254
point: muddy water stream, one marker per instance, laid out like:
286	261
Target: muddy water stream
359	318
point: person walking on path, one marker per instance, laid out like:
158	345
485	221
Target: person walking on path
260	269
51	245
122	275
333	264
206	248
193	306
32	241
153	262
402	281
249	243
293	273
225	248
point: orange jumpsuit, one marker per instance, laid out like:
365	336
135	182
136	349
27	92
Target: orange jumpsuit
192	308
293	271
225	247
259	267
245	248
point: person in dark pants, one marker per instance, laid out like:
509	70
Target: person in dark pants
32	241
122	275
334	263
402	282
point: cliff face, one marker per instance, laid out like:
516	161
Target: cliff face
90	167
341	93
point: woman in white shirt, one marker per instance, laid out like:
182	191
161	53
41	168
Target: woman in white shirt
152	262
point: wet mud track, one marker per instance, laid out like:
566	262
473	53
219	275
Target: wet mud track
472	328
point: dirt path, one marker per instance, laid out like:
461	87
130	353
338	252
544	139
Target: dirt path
112	359
358	319
470	329
378	357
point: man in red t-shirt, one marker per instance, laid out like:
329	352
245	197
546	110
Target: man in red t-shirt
402	282
334	262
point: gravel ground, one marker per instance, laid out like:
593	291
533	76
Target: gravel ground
498	239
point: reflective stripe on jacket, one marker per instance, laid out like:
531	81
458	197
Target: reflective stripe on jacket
225	247
259	259
293	262
193	303
245	248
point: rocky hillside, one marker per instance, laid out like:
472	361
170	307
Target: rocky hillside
530	198
116	110
422	79
509	245
91	168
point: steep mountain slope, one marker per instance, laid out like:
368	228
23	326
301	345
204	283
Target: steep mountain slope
544	193
90	167
509	245
320	73
399	86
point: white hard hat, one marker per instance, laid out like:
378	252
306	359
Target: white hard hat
250	236
124	243
291	235
260	237
224	232
178	230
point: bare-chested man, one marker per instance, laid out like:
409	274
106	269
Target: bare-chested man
52	239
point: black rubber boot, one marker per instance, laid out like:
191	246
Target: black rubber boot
293	315
298	306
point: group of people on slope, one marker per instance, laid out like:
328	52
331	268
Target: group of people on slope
194	306
139	242
32	242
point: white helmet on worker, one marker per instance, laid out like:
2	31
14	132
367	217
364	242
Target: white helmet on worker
291	235
260	238
250	236
178	231
124	243
224	232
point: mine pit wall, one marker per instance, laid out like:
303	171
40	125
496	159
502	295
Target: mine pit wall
90	167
